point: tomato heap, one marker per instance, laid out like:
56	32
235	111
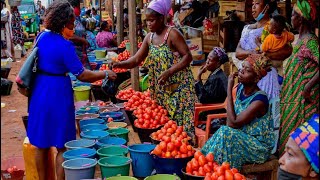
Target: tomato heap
13	168
101	104
205	166
170	131
125	94
123	44
124	55
173	148
138	99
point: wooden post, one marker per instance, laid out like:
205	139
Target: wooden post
120	21
133	42
288	10
109	9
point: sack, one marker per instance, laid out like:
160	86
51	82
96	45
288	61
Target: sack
109	87
27	72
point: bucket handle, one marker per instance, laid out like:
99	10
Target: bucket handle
147	143
124	146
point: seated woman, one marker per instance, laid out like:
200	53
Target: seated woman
90	37
248	136
105	38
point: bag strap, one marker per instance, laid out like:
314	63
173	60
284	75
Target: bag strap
35	64
39	37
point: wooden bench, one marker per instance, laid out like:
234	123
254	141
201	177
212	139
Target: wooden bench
265	171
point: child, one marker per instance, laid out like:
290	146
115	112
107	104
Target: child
278	36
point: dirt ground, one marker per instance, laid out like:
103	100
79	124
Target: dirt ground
12	128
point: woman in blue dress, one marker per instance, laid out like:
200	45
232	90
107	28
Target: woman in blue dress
51	111
248	136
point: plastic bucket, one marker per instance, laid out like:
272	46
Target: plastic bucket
112	151
115	125
114	165
170	165
108	141
81	93
79	168
94	134
162	176
128	46
131	119
86	116
121	178
15	174
89	109
94	127
79	153
119	132
142	163
100	54
80	143
114	115
84	122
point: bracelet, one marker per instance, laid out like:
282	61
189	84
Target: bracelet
107	74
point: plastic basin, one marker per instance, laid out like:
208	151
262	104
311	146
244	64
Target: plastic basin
81	93
119	132
114	165
108	141
142	163
94	127
89	109
79	153
144	134
116	116
94	134
79	168
114	125
86	116
112	151
84	122
121	178
17	161
162	177
189	176
80	143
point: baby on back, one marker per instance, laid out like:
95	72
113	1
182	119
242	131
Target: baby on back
278	36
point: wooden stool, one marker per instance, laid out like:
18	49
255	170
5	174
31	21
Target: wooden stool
265	171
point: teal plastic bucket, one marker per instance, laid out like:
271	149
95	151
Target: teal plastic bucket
81	93
121	178
94	134
142	163
89	109
112	151
79	168
109	141
114	165
162	177
119	132
84	122
94	127
79	153
80	143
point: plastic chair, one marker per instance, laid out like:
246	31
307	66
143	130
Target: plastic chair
199	107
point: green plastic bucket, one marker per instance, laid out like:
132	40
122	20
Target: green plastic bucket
119	132
162	176
81	93
112	151
100	54
121	178
114	166
128	46
144	83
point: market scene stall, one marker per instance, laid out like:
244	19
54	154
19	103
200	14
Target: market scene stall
159	89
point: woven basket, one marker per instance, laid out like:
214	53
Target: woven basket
14	2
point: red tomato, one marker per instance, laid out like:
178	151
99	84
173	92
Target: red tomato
228	175
168	155
208	177
206	168
226	165
202	160
189	168
234	170
214	176
170	147
177	143
197	154
210	157
157	151
174	153
195	164
190	153
163	145
220	171
201	171
221	178
195	173
238	176
183	149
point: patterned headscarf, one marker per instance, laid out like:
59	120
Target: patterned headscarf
161	6
306	9
307	138
221	53
261	64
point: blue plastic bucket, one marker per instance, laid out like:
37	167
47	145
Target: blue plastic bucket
80	143
92	58
90	109
84	122
108	141
79	168
142	163
79	153
116	116
94	127
94	134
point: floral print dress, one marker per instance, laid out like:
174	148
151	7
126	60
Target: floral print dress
180	101
249	144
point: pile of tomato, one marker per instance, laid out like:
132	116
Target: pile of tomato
101	104
138	99
205	166
170	131
150	117
125	94
173	148
124	55
13	168
123	44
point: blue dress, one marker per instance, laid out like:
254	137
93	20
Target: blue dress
51	112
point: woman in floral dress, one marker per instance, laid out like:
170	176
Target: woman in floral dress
300	90
248	136
168	59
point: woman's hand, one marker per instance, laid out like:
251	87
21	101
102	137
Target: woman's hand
164	77
202	70
306	93
231	81
111	75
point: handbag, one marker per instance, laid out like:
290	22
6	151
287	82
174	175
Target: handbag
28	71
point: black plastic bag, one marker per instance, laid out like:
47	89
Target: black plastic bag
109	87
